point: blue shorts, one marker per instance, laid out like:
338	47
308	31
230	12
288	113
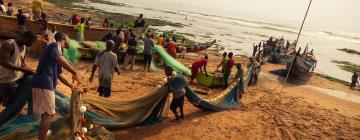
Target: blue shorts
103	91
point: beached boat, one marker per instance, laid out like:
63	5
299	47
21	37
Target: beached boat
9	29
89	49
302	66
210	80
196	47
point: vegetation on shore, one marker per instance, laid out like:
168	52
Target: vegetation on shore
333	79
347	66
350	51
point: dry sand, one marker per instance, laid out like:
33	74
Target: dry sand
300	112
297	113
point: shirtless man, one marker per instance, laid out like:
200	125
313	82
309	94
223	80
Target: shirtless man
12	65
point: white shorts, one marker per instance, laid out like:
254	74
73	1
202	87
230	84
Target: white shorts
43	101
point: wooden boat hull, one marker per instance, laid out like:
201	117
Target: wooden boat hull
9	29
277	58
301	69
212	80
192	48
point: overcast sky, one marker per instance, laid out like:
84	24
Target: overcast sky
340	15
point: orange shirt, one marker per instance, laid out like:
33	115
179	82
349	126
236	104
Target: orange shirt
172	49
160	41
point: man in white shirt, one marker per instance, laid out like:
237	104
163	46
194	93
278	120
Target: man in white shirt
51	35
107	63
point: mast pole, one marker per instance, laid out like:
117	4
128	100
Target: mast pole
296	42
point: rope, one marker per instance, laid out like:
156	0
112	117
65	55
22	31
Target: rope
287	76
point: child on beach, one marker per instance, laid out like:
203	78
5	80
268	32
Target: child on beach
178	92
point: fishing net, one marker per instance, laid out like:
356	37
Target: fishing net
100	46
106	113
72	54
170	61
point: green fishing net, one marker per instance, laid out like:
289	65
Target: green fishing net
72	54
100	46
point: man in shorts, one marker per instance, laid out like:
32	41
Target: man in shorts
45	80
178	93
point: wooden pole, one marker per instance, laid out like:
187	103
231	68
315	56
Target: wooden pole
296	42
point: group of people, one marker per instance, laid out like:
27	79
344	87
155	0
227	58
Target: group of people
13	68
227	63
9	11
38	16
13	71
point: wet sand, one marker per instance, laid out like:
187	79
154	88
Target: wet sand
300	112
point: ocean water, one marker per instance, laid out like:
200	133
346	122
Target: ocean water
237	24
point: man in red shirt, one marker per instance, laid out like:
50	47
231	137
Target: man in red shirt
227	70
74	19
202	62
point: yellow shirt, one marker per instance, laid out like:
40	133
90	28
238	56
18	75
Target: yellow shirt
80	27
37	6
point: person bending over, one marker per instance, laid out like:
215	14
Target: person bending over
198	64
178	91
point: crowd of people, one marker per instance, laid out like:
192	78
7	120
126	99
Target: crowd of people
13	68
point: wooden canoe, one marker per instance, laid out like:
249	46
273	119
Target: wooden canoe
210	80
9	29
192	48
301	68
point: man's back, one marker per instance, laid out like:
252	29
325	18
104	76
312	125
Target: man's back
47	72
21	19
148	45
106	61
117	40
200	62
8	75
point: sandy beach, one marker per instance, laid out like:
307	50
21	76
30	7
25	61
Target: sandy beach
300	112
310	111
